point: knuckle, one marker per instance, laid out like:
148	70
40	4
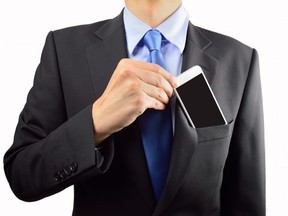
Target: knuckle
158	104
159	81
157	68
161	93
141	110
140	104
139	101
124	73
123	62
132	85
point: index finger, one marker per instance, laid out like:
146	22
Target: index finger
160	70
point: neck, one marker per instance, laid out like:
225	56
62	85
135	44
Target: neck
152	12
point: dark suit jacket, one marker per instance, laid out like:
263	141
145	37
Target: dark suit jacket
217	170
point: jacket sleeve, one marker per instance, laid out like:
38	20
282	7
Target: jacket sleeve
51	151
243	189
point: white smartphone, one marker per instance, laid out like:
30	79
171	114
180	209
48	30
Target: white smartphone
197	99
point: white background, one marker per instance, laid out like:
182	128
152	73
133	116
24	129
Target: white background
260	24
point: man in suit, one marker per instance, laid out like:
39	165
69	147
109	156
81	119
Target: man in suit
82	123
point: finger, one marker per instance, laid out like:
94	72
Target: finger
156	80
159	70
150	73
153	103
155	92
164	73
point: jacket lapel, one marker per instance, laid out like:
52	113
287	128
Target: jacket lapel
103	57
105	53
194	53
185	137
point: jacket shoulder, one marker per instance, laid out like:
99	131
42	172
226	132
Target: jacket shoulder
223	45
222	40
78	34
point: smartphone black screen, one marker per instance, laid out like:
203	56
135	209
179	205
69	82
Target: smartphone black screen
199	102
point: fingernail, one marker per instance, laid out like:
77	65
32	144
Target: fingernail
175	83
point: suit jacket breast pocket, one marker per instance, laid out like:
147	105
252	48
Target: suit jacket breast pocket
218	132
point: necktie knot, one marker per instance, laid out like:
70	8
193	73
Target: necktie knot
153	39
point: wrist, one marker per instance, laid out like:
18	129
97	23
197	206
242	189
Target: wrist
99	138
99	135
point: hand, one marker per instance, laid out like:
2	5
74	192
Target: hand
134	87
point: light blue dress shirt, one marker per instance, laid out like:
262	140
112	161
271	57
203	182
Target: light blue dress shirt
174	30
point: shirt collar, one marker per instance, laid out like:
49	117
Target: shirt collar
174	28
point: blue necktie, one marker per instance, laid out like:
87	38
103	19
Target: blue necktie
156	125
